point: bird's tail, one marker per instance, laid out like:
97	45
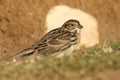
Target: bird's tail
25	52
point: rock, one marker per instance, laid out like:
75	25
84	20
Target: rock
59	14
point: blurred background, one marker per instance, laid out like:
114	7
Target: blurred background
24	22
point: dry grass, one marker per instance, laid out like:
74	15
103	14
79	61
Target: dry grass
82	65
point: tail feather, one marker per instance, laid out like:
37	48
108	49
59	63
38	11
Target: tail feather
22	53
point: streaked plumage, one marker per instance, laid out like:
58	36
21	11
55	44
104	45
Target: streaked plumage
58	42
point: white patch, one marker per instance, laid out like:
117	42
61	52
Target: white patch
67	52
61	13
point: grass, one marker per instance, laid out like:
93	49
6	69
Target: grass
81	65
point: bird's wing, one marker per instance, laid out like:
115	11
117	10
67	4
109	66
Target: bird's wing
30	50
58	41
42	43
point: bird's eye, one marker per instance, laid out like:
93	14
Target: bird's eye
72	24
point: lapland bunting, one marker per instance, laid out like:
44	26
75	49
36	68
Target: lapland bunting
58	42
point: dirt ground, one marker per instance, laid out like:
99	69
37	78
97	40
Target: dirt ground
22	22
107	75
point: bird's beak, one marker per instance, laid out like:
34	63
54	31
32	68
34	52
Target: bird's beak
80	26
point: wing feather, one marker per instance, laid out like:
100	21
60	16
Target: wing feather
54	43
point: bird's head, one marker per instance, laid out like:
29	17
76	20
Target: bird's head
72	26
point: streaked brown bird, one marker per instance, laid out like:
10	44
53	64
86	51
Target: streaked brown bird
58	42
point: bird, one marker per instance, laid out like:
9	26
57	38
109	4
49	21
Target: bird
58	42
